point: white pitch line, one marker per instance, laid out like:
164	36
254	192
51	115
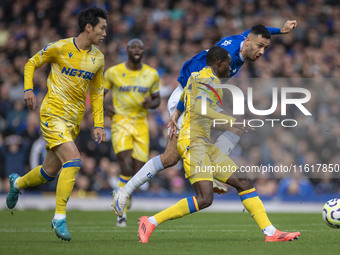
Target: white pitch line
89	230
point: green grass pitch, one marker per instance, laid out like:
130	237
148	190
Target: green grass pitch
29	232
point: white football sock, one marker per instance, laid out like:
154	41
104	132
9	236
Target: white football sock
227	142
58	216
153	220
145	174
269	230
124	216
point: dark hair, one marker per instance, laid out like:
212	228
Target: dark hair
260	30
216	53
90	16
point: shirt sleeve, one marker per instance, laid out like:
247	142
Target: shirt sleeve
180	105
107	79
272	31
97	97
47	54
155	85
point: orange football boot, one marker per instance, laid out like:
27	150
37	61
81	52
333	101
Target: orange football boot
280	236
145	229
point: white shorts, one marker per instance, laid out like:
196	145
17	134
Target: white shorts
172	105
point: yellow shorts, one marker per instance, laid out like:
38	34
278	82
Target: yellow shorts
131	134
203	161
57	131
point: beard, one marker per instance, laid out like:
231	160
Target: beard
135	60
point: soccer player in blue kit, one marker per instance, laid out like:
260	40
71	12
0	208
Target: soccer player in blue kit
249	45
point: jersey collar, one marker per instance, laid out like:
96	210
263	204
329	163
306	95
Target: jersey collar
74	42
125	63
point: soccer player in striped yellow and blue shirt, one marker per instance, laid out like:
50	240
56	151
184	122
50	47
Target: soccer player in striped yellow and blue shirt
193	143
76	67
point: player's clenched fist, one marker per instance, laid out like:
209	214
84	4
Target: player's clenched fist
288	26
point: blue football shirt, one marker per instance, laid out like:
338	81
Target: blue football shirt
233	44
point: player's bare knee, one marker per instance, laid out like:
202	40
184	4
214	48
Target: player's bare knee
204	201
244	184
170	158
126	166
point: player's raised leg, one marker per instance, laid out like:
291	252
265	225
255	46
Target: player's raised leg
35	177
170	157
14	191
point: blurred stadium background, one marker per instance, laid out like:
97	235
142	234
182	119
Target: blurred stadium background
173	32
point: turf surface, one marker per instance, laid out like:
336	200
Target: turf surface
29	232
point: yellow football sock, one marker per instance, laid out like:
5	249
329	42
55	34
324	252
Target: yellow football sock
183	207
35	177
65	184
123	179
254	206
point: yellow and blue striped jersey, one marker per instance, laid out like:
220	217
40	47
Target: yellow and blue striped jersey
73	72
130	87
196	125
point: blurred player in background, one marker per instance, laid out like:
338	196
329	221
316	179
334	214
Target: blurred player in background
135	88
194	146
76	66
249	45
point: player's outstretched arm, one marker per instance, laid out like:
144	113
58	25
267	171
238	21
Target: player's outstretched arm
288	26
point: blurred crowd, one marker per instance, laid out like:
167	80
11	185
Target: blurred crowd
173	32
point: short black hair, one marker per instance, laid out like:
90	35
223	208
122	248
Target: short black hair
260	30
90	16
217	53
